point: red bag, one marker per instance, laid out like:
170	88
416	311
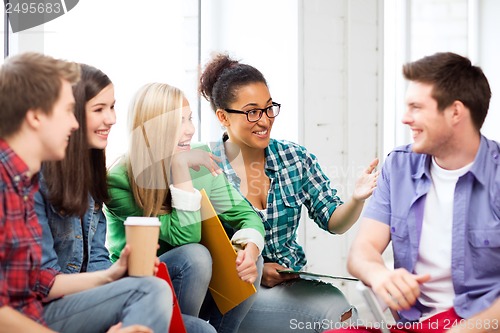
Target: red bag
176	323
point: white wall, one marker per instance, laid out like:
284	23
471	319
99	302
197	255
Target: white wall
466	27
488	59
131	48
341	111
323	62
263	34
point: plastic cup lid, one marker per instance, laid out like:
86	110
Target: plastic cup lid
142	221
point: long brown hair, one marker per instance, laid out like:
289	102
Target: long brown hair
83	170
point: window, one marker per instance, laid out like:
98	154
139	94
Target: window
5	34
416	28
136	43
133	43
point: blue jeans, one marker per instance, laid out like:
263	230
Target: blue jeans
297	306
146	301
197	325
231	320
190	269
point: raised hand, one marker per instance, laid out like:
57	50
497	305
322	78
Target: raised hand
196	158
367	182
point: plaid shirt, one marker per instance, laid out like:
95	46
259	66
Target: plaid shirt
22	284
296	180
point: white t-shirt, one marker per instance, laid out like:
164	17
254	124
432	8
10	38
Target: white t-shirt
434	255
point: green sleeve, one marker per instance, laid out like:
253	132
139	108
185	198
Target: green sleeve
180	227
232	208
122	204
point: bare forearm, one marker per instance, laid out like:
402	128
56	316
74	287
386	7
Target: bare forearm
365	256
345	216
485	321
181	178
13	321
66	284
363	261
253	250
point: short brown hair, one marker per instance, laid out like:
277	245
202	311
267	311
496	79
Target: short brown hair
453	78
31	81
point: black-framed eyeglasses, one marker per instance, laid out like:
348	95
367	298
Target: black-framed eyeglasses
254	115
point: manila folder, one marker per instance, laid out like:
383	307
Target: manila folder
227	289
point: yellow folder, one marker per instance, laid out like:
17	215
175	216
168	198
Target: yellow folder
227	289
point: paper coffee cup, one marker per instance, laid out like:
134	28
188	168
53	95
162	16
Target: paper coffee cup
142	236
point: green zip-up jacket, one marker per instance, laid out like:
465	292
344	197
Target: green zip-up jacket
178	227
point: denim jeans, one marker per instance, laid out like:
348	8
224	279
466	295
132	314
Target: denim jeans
146	301
197	325
297	306
190	269
231	320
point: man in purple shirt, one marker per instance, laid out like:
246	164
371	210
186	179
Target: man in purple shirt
438	201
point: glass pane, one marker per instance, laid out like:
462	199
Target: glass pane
2	25
133	43
271	46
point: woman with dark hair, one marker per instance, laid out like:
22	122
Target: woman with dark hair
37	99
277	178
72	191
69	209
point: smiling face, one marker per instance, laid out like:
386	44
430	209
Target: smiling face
100	116
187	128
432	129
242	132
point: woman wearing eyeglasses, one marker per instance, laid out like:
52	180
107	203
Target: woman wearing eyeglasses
161	175
278	178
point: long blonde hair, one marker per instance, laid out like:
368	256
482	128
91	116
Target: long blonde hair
155	117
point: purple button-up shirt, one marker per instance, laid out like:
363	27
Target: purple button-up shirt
399	202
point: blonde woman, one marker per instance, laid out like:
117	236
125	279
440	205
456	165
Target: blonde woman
161	176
